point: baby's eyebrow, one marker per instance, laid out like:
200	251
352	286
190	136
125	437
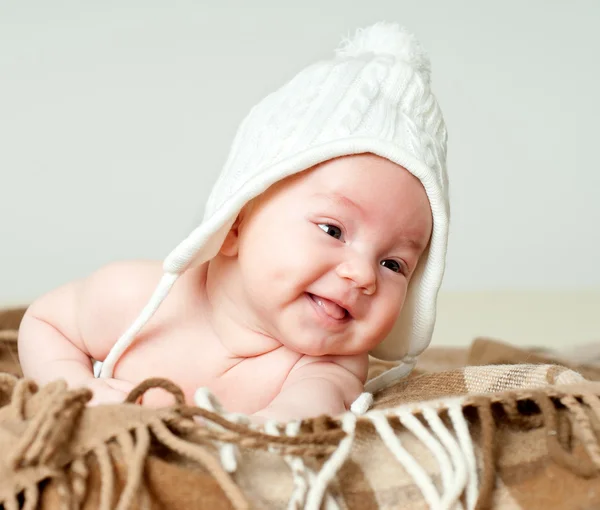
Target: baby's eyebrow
342	200
414	245
412	241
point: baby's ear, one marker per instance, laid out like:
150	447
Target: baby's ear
230	245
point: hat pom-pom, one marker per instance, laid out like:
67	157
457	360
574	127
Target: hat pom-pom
387	39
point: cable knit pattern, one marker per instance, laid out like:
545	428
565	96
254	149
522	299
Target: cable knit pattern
349	97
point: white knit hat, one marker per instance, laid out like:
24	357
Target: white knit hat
374	96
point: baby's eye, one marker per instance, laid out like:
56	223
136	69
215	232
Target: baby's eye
331	230
392	265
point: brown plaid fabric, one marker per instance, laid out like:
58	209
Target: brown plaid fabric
507	435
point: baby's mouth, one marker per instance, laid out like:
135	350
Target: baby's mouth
332	309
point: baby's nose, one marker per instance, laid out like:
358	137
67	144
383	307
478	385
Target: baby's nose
361	273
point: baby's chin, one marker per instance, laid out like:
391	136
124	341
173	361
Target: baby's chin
323	349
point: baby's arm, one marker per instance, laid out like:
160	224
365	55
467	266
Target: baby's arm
317	386
64	329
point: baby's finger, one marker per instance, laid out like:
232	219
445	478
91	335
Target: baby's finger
119	385
106	396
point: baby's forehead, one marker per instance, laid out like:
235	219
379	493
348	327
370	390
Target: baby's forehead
357	177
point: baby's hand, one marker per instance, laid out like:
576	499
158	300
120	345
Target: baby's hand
108	391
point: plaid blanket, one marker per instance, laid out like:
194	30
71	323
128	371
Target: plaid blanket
492	426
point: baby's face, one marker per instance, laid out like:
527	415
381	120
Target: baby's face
325	257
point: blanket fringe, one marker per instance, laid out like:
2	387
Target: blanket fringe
107	477
9	335
204	458
445	428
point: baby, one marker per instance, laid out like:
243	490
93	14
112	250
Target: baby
323	241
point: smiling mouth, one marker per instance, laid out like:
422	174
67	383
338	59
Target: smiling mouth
331	309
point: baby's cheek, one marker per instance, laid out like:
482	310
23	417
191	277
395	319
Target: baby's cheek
398	299
281	267
388	312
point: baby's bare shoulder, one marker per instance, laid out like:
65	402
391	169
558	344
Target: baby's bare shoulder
92	312
120	284
111	298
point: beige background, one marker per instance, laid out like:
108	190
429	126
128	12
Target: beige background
559	320
116	116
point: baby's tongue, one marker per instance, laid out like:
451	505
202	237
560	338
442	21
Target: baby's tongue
331	309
